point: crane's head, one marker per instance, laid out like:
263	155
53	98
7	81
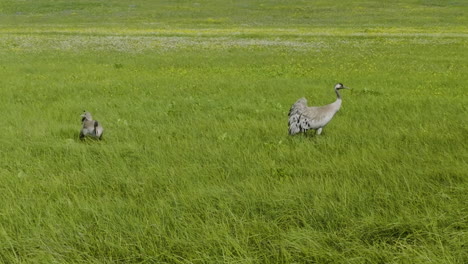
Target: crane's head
339	86
86	116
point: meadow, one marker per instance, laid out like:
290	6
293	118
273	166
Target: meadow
196	164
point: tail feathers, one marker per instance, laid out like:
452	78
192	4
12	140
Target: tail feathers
294	124
98	130
298	107
295	115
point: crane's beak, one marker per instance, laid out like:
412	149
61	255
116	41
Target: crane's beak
346	87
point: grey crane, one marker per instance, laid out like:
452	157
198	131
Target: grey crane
90	127
303	117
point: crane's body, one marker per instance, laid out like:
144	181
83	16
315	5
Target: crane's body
303	117
90	127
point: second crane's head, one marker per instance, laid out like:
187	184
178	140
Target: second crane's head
86	116
339	86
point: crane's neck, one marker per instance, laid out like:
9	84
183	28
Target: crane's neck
338	96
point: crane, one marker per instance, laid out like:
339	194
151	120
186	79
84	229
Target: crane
303	117
90	127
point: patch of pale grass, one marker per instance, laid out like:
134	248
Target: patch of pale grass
459	32
140	44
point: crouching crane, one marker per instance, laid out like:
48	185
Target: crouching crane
303	117
90	127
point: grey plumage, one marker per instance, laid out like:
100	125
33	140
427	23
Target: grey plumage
90	127
303	117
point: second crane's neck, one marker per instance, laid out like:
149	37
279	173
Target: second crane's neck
338	96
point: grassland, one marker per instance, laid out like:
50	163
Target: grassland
196	165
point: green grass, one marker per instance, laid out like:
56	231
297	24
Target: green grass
196	165
428	15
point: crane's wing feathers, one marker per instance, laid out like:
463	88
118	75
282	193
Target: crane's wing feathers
296	110
312	118
298	107
98	130
295	114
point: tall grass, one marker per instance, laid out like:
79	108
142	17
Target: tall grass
196	165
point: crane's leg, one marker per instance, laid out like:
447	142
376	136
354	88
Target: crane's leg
318	131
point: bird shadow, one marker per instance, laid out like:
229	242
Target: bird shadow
312	134
89	139
308	135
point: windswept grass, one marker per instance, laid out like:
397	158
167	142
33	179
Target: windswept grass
196	165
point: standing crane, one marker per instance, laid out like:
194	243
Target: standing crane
90	127
303	117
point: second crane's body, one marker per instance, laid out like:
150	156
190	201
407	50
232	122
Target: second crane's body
90	127
303	117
